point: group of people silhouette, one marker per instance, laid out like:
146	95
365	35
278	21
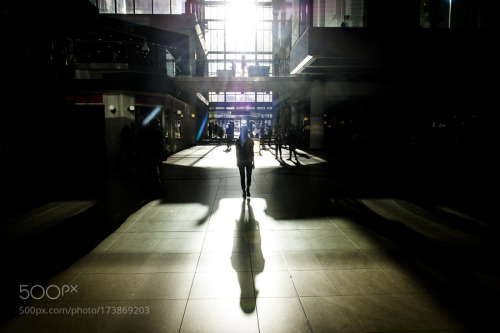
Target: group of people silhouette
147	144
245	156
144	145
290	139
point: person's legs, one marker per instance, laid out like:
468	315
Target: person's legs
249	179
291	148
242	178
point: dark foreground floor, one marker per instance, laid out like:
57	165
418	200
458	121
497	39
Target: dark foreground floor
322	245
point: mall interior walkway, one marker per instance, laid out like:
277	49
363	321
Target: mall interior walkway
320	246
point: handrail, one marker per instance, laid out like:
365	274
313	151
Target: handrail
129	55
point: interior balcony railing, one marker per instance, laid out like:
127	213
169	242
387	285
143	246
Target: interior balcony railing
155	58
226	68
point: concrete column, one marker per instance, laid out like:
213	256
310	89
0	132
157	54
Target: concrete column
281	116
191	119
171	130
114	122
294	113
317	109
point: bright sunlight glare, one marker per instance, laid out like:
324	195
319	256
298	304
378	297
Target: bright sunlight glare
241	23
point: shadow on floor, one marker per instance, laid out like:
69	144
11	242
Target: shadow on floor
30	257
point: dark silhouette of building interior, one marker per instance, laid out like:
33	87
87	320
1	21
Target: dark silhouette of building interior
384	222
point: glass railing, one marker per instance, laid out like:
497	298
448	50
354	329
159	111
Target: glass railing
132	56
225	68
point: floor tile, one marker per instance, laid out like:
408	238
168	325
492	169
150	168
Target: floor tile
293	243
100	287
170	262
223	261
346	259
142	234
281	315
146	316
330	314
368	241
330	243
274	284
307	260
344	222
111	263
132	246
178	245
268	261
224	242
160	286
363	282
415	312
225	284
220	315
313	283
388	258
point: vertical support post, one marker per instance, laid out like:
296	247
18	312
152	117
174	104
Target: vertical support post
191	122
316	115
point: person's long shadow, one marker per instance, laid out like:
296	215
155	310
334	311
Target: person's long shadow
248	234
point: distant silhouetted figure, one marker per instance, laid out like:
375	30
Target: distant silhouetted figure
278	142
210	130
243	65
277	64
220	134
152	146
245	159
233	68
216	130
230	135
292	141
262	137
126	144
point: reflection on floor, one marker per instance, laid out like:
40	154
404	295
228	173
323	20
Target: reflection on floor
204	259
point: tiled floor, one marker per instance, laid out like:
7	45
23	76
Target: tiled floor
203	259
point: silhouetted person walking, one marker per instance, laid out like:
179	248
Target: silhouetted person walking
152	145
243	65
210	130
220	134
126	144
216	130
245	159
278	141
292	141
230	135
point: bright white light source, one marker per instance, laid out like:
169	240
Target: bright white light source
241	23
302	64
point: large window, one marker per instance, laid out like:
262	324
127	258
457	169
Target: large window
338	13
238	28
141	6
